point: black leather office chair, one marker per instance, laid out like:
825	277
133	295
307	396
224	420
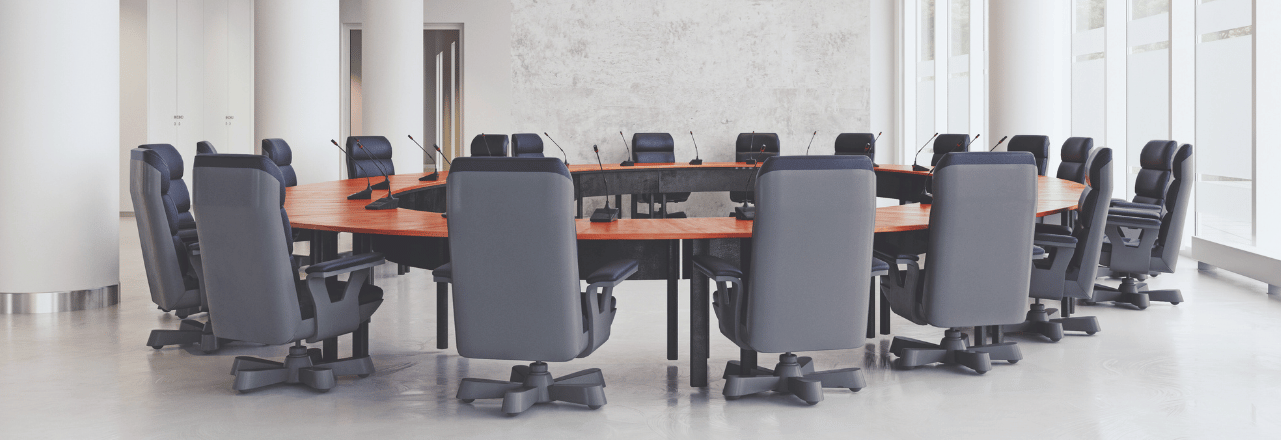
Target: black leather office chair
1155	176
516	281
978	270
252	285
373	161
178	191
527	145
1141	243
792	300
1068	273
278	151
1039	146
205	147
170	255
949	143
1076	151
749	146
861	144
655	148
489	145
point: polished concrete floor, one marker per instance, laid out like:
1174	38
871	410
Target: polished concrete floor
1207	368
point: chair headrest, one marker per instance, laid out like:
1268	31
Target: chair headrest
509	164
986	158
1158	155
1181	160
1077	149
526	143
1038	145
171	157
855	142
791	163
278	151
653	143
152	158
205	147
767	140
244	161
946	143
378	147
1101	159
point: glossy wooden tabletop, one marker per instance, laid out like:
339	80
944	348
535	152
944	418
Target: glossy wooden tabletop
324	206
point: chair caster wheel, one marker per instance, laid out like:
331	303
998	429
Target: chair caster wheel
856	389
732	397
511	414
811	403
594	407
157	347
1174	303
1013	361
467	400
1090	333
981	372
362	376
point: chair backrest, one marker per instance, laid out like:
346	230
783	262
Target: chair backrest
489	145
178	191
1038	145
278	151
516	284
250	280
205	147
811	254
1153	180
1166	251
980	239
163	253
1075	152
653	148
1090	227
365	163
748	146
949	143
862	144
527	145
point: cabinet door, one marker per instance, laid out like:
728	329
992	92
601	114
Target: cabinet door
216	78
189	66
240	76
162	76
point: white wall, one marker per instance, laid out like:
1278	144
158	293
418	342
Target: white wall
392	78
133	88
884	107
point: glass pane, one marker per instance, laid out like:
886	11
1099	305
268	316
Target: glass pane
927	30
959	43
355	115
1224	125
1090	14
1147	8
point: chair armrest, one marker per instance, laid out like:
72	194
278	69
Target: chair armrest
1133	222
888	255
1046	228
1038	253
717	268
1136	212
343	265
444	273
1054	240
613	273
187	235
880	267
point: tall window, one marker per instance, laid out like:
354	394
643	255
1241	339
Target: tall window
1147	80
1089	71
1224	127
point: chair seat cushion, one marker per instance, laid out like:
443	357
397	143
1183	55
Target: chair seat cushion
717	267
1139	212
1046	228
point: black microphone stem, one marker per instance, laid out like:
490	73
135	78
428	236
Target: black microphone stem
442	155
697	160
386	177
917	159
562	150
485	139
807	147
602	175
628	161
998	143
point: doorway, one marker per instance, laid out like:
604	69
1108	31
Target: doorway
443	103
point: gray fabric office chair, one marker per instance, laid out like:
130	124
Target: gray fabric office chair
807	289
1069	271
979	271
205	147
252	285
516	281
489	145
1038	145
171	256
656	148
949	143
1151	245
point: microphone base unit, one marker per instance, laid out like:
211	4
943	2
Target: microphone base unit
627	163
874	165
750	161
383	203
916	167
745	212
696	162
364	194
604	215
382	185
430	177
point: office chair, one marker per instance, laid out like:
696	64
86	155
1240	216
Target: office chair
949	143
748	146
178	191
527	145
278	151
516	281
205	147
978	271
1155	248
1068	273
1076	151
489	145
366	163
1039	146
252	285
656	148
862	144
793	300
170	255
1153	181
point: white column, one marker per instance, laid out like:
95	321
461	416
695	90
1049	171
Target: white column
59	180
392	69
296	78
1030	75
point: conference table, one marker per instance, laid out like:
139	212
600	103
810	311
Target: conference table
416	234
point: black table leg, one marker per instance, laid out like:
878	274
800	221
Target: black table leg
673	286
871	310
618	201
699	335
885	313
360	341
442	315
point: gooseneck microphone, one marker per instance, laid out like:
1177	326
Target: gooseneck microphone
627	162
746	212
435	174
867	149
369	189
696	160
917	158
807	147
967	147
562	150
998	143
388	202
606	214
751	140
488	152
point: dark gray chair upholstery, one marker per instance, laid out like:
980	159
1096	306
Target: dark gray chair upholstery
793	299
748	146
252	284
170	255
1138	245
360	164
527	145
178	191
1153	181
516	280
279	152
1069	271
949	143
656	148
1073	159
978	269
862	144
205	147
1038	145
489	145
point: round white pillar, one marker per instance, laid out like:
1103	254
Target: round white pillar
296	74
59	180
392	69
1029	54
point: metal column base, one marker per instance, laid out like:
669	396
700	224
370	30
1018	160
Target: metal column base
53	302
